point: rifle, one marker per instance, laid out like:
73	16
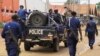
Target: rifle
15	41
54	22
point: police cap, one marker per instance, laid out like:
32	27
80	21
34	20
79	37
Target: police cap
56	10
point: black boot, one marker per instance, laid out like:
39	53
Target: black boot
91	47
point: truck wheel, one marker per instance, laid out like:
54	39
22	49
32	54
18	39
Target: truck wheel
56	45
37	18
27	46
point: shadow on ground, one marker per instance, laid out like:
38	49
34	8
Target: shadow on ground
46	50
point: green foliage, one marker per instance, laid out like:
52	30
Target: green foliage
1	25
98	5
72	1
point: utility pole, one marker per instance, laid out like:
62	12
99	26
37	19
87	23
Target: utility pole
47	5
25	2
73	4
88	7
79	7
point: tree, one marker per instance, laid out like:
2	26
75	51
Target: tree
98	6
95	11
72	1
90	11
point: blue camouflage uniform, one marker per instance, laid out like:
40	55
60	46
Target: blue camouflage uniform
72	39
59	26
50	15
91	30
57	18
10	44
22	13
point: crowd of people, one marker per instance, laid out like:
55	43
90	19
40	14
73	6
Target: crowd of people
72	26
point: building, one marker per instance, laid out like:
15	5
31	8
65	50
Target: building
11	6
59	7
79	8
7	8
82	8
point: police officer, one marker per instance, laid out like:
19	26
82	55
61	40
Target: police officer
16	30
57	17
59	20
72	27
91	30
29	11
22	13
50	15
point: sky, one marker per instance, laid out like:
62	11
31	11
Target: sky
82	1
91	1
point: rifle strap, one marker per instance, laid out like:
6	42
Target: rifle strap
71	31
69	22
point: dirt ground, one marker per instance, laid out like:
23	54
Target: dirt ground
82	49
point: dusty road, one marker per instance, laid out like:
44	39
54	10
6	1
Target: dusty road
82	47
36	51
94	52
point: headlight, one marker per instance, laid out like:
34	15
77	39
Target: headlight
50	35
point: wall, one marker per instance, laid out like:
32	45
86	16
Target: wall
7	8
59	7
80	9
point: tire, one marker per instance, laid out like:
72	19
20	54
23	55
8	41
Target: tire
27	46
56	45
37	19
